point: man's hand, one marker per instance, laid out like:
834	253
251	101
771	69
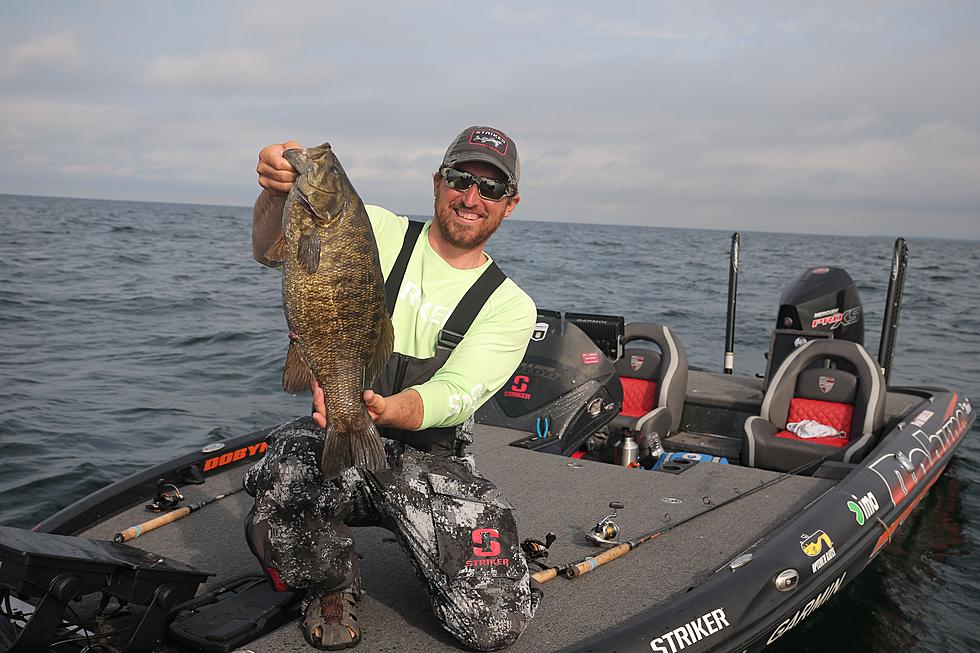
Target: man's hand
401	411
319	405
276	175
375	404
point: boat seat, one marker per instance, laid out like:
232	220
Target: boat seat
852	404
654	383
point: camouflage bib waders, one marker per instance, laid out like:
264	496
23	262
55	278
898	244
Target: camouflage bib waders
455	526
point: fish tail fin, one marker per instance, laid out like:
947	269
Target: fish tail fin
296	374
357	445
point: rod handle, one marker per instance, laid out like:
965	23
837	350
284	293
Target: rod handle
545	575
592	562
133	532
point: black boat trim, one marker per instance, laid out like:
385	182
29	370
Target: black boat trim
127	492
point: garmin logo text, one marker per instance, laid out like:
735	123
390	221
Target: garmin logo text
808	609
690	633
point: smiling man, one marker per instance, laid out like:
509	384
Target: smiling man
461	329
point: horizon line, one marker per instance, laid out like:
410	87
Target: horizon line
525	219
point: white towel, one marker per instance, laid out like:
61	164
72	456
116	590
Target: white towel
811	428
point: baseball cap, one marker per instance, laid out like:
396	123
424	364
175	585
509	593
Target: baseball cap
488	145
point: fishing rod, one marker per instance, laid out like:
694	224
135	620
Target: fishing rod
587	564
133	532
893	306
732	292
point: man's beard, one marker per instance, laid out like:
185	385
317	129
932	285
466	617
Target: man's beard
464	236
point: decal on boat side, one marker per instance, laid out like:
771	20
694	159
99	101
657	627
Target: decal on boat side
590	358
929	451
808	609
540	331
690	633
922	418
813	546
536	369
235	456
834	318
863	508
518	389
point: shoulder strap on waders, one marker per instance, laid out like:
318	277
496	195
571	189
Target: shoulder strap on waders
406	370
469	306
394	281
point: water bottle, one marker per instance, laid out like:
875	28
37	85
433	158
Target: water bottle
627	452
656	447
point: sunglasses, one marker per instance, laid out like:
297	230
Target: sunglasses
489	189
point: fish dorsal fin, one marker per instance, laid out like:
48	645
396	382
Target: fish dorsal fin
381	353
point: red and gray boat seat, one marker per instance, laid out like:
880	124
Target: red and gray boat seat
852	403
654	383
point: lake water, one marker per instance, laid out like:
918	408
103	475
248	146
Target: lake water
131	332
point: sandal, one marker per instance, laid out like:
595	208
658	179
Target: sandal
330	621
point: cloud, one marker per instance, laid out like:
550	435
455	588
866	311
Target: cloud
58	50
687	114
239	70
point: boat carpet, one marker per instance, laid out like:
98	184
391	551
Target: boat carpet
550	493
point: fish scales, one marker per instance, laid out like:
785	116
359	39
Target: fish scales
334	301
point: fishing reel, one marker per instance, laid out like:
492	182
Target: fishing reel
536	550
168	496
605	532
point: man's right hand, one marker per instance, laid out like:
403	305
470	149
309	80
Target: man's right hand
276	175
319	405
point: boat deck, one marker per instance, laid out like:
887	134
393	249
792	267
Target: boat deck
550	493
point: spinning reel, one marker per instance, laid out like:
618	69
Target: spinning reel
168	496
606	531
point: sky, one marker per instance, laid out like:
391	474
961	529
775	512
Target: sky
857	118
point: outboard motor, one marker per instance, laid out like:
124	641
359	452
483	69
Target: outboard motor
822	303
564	390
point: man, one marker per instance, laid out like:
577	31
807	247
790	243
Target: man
461	329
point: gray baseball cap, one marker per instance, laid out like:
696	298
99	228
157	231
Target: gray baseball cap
488	145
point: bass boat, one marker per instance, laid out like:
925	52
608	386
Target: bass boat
664	508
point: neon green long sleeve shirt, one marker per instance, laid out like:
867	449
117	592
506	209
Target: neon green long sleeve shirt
493	346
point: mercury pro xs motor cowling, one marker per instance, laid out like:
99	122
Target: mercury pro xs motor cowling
823	302
565	388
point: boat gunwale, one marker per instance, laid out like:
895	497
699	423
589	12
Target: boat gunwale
767	608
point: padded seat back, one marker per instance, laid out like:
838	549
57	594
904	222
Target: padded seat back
638	372
652	380
824	396
852	404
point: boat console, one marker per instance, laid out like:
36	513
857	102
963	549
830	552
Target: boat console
566	388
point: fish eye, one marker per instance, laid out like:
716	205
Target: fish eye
334	170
